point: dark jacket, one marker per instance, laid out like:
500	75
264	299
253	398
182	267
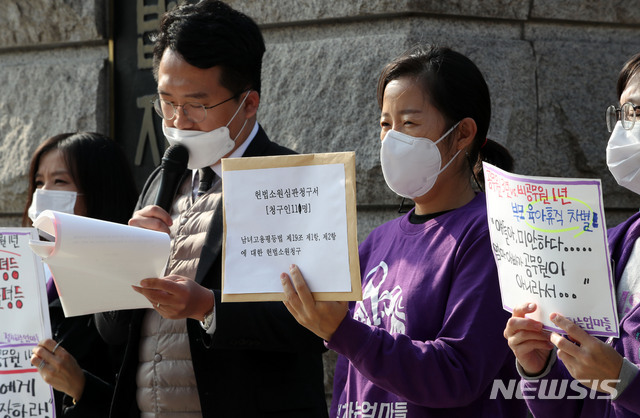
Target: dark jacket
259	363
79	336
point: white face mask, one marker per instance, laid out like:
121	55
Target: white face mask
623	156
58	200
205	148
411	165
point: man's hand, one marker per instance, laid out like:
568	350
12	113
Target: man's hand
152	217
177	297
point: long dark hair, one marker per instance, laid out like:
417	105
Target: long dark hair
458	90
99	169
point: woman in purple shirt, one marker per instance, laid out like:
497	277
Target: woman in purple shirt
425	341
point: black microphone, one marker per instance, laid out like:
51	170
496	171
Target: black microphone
172	168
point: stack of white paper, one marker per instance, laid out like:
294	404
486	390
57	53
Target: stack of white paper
94	262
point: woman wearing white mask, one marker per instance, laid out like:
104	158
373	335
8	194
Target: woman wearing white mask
426	339
85	174
609	369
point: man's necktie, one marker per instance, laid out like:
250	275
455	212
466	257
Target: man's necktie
206	178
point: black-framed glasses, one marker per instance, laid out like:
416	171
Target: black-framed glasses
626	114
195	112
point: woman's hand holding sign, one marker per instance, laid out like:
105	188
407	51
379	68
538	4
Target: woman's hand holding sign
321	318
587	358
528	341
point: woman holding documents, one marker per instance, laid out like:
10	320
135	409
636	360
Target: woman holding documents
607	371
84	174
426	338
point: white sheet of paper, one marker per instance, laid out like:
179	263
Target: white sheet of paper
24	321
549	240
269	227
94	262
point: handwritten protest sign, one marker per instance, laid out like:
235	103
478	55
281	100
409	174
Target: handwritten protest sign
289	209
550	244
24	319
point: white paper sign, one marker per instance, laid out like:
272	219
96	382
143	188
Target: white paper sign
282	216
94	262
24	320
549	240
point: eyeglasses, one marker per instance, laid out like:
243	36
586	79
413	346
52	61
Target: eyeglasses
195	112
627	114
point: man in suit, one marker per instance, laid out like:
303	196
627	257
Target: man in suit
191	355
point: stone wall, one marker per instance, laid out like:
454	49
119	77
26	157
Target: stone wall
551	67
53	79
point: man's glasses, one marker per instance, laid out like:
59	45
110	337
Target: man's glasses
195	112
626	114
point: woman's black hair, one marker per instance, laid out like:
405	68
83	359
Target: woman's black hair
100	170
458	90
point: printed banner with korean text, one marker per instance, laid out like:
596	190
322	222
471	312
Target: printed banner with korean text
549	241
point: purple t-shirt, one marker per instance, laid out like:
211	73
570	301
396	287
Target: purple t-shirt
426	340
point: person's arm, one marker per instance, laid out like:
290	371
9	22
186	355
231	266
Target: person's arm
579	357
556	380
628	395
587	358
251	325
529	342
58	368
95	401
536	361
459	364
572	401
84	393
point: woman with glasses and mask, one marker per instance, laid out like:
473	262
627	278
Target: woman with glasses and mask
425	341
606	370
85	174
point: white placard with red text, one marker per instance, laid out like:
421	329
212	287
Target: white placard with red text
24	320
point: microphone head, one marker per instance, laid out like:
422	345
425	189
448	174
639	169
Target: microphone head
176	156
